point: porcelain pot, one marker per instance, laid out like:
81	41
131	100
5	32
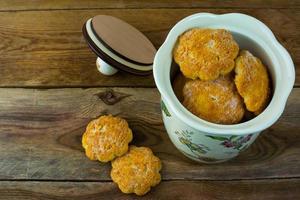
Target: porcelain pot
204	141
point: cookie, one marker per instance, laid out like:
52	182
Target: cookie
137	171
252	81
106	138
205	53
215	101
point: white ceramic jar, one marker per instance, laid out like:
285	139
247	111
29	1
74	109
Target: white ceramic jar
204	141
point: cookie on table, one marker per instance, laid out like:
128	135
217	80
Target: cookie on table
106	138
205	53
215	101
137	171
252	81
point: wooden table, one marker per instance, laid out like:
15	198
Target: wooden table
50	90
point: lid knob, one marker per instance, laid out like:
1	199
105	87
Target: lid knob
105	68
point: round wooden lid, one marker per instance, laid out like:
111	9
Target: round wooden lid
110	57
123	39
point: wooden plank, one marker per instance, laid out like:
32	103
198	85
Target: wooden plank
40	137
47	49
193	190
95	4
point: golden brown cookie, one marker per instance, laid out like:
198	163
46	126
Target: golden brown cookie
137	171
106	138
178	85
205	53
215	101
252	82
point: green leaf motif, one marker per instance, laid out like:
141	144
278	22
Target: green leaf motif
235	142
220	138
233	137
185	138
165	110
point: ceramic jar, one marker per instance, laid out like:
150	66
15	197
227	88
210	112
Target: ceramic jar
204	141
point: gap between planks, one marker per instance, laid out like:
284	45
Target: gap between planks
163	180
148	8
46	87
79	86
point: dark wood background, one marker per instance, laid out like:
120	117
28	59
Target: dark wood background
50	90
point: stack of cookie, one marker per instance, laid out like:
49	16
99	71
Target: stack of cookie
134	169
218	82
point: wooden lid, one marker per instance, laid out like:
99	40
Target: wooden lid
119	44
123	39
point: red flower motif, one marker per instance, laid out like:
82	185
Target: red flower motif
227	144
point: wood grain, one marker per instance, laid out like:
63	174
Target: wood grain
40	129
96	4
40	137
192	190
47	49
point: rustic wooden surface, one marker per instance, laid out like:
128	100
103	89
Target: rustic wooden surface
47	126
50	89
96	4
192	190
47	49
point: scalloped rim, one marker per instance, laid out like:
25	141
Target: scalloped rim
240	23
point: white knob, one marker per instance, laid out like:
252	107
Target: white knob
105	68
